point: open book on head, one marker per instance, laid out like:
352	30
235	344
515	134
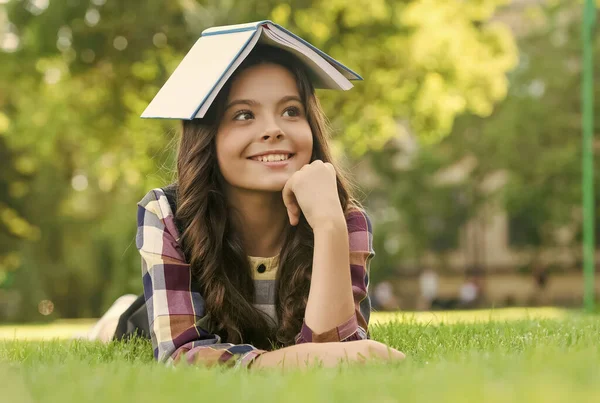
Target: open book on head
195	83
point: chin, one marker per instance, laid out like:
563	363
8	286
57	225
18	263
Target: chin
274	183
272	186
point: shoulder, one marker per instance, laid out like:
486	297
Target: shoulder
157	202
157	233
156	209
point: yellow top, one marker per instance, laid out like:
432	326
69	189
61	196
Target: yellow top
264	273
270	263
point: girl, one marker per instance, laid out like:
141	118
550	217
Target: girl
258	256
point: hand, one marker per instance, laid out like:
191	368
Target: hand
313	191
359	351
328	355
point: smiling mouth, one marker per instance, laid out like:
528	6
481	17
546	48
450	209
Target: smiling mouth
272	157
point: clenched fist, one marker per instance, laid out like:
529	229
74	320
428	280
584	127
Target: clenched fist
313	191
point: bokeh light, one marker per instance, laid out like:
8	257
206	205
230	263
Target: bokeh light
46	307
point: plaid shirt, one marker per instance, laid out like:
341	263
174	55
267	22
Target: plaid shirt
176	309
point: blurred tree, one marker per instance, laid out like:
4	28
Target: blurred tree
75	75
533	139
535	135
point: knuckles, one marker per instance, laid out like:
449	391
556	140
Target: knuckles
318	166
309	172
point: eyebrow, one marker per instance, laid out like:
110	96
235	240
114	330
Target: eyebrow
252	102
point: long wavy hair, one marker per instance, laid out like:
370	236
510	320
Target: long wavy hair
213	248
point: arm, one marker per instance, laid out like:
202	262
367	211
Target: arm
175	307
336	286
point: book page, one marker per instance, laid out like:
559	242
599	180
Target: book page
200	73
244	52
326	75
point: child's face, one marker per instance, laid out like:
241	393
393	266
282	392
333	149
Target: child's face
264	115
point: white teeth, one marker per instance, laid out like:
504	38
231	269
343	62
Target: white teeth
272	157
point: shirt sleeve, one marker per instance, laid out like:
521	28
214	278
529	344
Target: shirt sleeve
175	306
360	235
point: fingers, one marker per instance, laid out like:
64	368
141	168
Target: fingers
318	163
290	202
394	354
327	165
306	166
289	197
379	350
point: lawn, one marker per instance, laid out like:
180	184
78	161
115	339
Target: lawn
481	356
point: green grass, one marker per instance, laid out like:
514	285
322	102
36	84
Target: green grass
545	359
66	329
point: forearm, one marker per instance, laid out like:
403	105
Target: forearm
330	299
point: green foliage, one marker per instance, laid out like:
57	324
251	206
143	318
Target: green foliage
532	141
75	76
535	135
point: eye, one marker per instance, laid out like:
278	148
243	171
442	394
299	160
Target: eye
294	110
243	115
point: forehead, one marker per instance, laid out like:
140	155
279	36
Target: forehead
263	81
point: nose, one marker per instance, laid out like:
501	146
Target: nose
273	134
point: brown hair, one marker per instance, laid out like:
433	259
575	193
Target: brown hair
215	251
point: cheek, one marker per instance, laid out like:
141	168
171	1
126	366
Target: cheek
305	144
226	153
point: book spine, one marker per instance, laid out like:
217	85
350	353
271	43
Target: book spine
253	26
